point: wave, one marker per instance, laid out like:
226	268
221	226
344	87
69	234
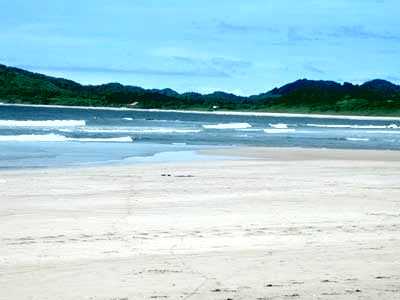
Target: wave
42	123
384	131
133	130
268	114
229	113
279	130
168	130
250	129
128	119
357	139
228	126
391	126
58	138
279	126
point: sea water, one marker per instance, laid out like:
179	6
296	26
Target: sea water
39	136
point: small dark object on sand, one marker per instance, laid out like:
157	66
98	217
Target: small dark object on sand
216	290
353	291
272	285
327	281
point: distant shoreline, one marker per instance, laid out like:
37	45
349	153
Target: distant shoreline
373	99
231	113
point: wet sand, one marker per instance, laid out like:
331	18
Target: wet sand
272	224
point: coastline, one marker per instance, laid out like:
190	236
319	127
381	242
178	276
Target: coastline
283	223
300	154
232	113
227	153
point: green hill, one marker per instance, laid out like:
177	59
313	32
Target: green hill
376	97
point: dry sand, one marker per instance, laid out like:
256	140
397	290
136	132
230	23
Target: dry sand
286	224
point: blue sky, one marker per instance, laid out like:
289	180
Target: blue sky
244	47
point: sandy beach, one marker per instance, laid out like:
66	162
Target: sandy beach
271	224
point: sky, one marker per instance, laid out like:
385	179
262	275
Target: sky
244	47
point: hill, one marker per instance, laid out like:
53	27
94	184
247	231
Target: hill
375	97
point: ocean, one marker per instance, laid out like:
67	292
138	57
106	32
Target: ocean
39	136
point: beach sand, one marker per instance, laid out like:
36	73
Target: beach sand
271	224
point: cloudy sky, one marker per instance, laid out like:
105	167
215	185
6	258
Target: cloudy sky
244	47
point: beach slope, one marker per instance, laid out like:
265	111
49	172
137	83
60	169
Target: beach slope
272	224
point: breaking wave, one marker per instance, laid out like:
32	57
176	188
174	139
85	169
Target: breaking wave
133	130
228	126
279	126
58	138
357	139
391	126
279	130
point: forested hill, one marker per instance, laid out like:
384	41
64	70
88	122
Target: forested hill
376	97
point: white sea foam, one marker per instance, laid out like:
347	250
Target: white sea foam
250	129
268	114
279	130
137	130
357	139
279	126
228	126
128	119
229	113
391	126
167	130
57	138
43	123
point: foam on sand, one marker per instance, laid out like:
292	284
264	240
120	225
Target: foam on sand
59	138
42	123
228	126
